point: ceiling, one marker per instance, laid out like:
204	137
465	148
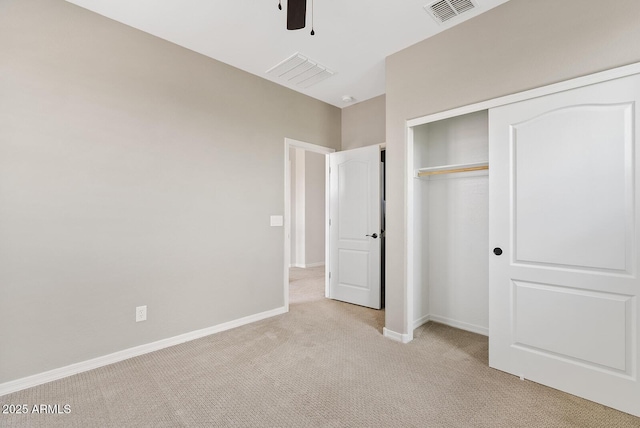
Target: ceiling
352	37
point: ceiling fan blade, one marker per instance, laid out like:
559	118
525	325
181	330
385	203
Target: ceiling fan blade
296	14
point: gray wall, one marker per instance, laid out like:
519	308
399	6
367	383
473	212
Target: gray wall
519	45
314	208
363	124
133	172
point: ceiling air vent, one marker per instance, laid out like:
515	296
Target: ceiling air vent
300	70
444	10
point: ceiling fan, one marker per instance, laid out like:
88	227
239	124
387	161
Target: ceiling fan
296	14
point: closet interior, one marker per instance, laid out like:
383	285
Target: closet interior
451	222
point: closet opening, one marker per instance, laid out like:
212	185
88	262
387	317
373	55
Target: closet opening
450	195
558	243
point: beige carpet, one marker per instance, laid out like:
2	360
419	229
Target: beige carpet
324	364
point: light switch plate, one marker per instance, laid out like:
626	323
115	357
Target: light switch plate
277	220
141	313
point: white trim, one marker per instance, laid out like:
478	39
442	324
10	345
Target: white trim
309	147
421	321
327	228
398	337
578	82
312	265
287	222
289	143
452	323
408	233
305	266
615	73
459	324
62	372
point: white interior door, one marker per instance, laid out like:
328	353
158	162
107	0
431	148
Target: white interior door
564	289
355	226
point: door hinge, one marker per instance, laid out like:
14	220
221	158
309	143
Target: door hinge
329	222
329	170
329	275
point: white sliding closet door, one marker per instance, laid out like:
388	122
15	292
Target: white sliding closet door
564	287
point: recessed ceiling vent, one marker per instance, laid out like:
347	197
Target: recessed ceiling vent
300	70
444	10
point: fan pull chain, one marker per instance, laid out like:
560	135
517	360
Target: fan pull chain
280	4
312	31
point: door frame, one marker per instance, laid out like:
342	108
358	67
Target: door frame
290	143
409	263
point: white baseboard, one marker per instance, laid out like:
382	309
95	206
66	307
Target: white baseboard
459	324
421	321
310	265
398	337
305	266
62	372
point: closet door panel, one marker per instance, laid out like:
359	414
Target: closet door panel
575	215
564	287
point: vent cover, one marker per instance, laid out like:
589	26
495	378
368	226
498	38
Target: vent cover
300	70
444	10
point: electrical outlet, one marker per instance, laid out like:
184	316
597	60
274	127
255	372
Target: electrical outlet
141	313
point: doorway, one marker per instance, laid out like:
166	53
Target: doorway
306	209
355	206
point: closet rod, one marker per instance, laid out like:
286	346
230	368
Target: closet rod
452	171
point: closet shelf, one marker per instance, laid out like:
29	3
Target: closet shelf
451	169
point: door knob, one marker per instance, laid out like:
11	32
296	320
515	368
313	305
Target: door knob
374	236
497	251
